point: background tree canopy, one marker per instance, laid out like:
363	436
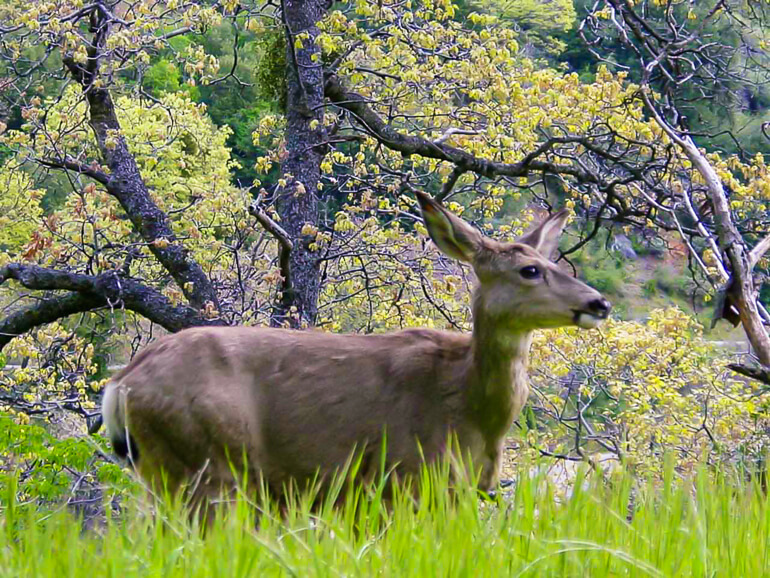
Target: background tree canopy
170	163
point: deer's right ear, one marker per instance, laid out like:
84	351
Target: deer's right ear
452	235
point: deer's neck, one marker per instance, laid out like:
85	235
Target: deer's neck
498	372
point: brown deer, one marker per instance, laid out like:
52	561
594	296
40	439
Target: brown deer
294	404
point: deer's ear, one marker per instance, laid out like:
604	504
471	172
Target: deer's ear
452	235
545	237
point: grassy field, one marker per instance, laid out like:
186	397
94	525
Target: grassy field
698	528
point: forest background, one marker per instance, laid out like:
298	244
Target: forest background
175	163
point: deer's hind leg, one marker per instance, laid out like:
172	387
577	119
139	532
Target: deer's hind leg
218	485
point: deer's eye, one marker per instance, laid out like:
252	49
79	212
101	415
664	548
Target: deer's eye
530	272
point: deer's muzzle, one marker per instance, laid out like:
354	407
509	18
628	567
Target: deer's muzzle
593	315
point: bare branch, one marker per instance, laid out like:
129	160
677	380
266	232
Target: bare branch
448	133
457	172
128	187
707	236
271	226
286	247
754	372
77	167
758	252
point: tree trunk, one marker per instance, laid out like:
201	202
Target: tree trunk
298	201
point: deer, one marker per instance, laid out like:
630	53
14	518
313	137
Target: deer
290	405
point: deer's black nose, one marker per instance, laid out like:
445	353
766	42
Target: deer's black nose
600	307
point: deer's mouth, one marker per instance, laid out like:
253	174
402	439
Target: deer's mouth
587	319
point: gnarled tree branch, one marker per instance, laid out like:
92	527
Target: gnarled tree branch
43	312
125	183
91	292
128	187
660	55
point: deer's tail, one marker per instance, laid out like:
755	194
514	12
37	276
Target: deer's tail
114	417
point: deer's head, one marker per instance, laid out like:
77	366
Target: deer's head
520	288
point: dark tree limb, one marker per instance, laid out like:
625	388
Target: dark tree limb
43	312
753	371
128	187
456	173
77	167
91	292
285	248
125	183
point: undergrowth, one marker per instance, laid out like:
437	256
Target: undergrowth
706	526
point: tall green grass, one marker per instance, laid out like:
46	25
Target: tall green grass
704	527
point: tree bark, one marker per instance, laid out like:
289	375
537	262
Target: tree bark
128	187
298	201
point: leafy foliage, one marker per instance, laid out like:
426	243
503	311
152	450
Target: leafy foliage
20	209
638	391
57	370
548	16
37	467
540	25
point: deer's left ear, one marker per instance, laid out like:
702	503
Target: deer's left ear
452	235
545	237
